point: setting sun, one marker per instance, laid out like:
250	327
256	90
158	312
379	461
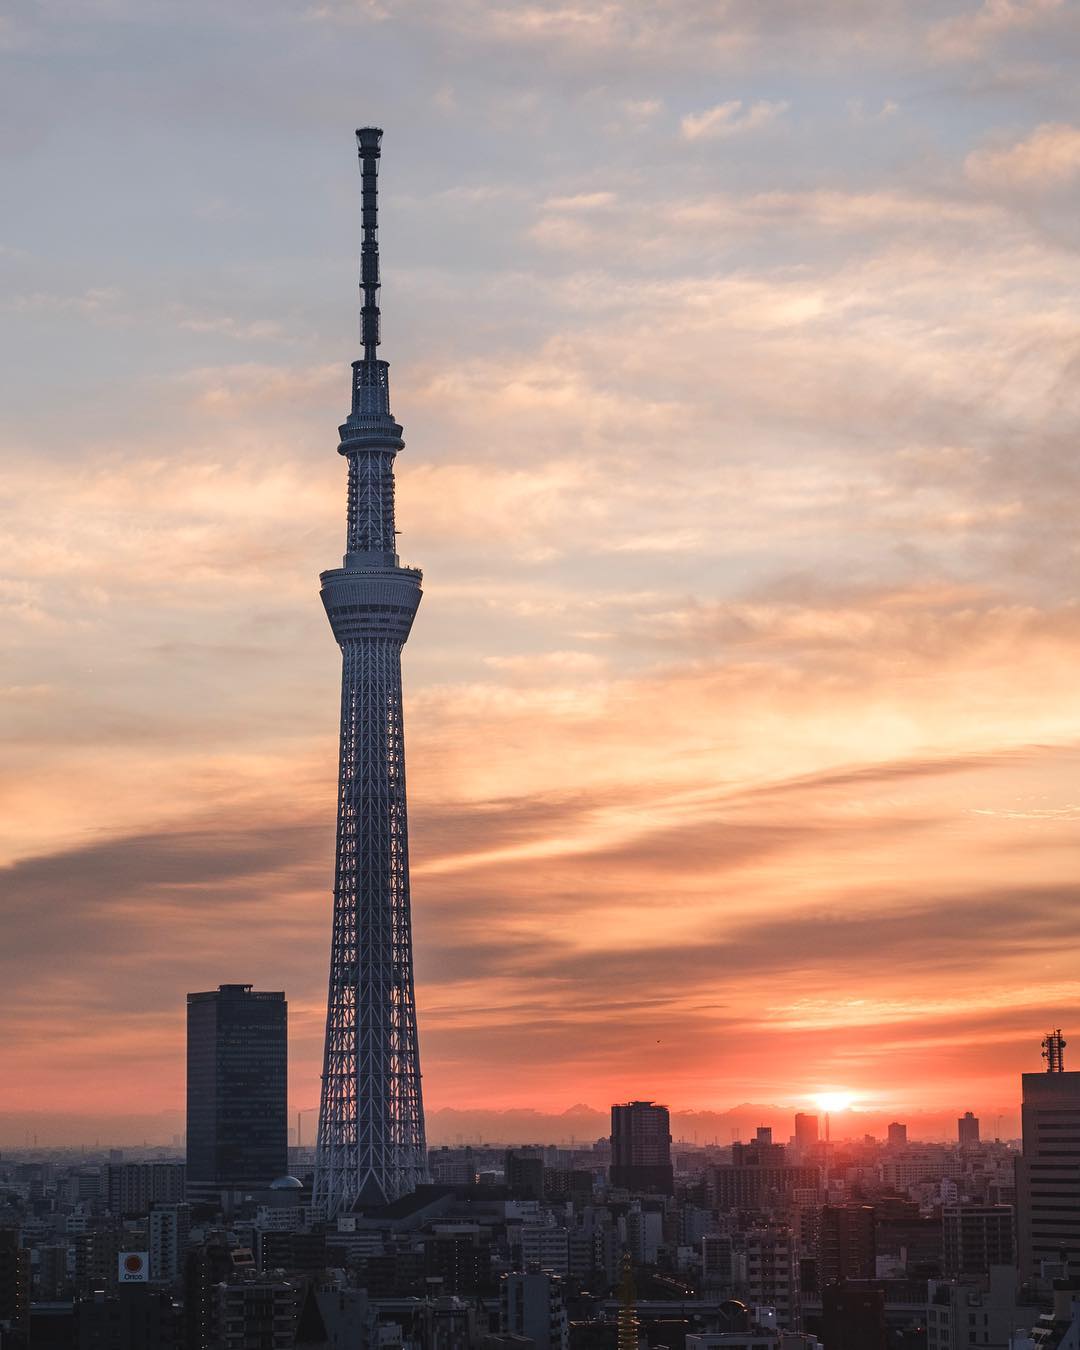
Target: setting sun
834	1101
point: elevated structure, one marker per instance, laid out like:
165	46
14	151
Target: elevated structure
1047	1177
371	1147
1053	1051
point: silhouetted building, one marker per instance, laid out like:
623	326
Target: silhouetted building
206	1267
1047	1175
168	1226
772	1273
14	1281
257	1315
977	1237
531	1305
136	1317
897	1134
641	1148
524	1174
852	1319
806	1131
459	1257
847	1247
307	1252
760	1151
758	1186
967	1129
237	1130
131	1188
96	1253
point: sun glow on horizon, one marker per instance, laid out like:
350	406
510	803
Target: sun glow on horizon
834	1101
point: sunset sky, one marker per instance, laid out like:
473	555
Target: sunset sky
738	352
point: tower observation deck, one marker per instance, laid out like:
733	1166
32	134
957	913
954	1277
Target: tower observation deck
371	1146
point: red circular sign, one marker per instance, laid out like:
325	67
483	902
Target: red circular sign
133	1263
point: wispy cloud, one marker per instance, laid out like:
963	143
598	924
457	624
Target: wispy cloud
733	118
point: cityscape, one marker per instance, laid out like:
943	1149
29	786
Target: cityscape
674	950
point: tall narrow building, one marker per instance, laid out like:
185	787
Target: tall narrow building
1047	1176
237	1114
371	1118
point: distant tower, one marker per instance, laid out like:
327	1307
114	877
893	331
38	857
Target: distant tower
627	1334
641	1147
371	1117
967	1129
806	1131
1053	1051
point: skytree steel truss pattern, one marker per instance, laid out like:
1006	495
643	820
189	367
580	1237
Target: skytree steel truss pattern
371	1145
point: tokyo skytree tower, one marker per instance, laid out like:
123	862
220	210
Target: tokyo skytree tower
371	1116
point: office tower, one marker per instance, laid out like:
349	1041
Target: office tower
371	1116
169	1227
967	1129
531	1304
641	1148
846	1245
237	1057
1047	1176
897	1134
976	1237
806	1132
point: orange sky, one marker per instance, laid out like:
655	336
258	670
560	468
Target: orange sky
742	710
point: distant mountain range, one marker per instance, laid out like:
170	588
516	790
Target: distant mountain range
580	1125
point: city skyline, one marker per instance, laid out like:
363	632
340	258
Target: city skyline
736	362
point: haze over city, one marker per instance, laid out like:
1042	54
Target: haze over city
736	356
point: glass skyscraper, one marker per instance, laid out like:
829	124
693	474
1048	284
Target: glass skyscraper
237	1082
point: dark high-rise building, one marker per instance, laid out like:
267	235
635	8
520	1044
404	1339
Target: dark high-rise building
641	1148
806	1131
1047	1175
237	1082
976	1237
524	1174
852	1318
136	1317
14	1282
847	1247
967	1129
897	1134
371	1147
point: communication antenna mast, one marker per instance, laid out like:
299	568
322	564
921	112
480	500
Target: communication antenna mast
1053	1051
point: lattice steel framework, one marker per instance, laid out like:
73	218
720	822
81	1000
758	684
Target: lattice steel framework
371	1118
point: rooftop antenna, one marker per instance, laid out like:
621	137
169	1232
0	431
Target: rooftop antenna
368	148
1053	1051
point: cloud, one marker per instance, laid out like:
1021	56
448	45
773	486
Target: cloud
966	36
731	119
1048	158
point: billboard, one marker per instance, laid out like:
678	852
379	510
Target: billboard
134	1267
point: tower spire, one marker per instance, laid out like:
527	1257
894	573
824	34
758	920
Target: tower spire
368	143
371	1146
